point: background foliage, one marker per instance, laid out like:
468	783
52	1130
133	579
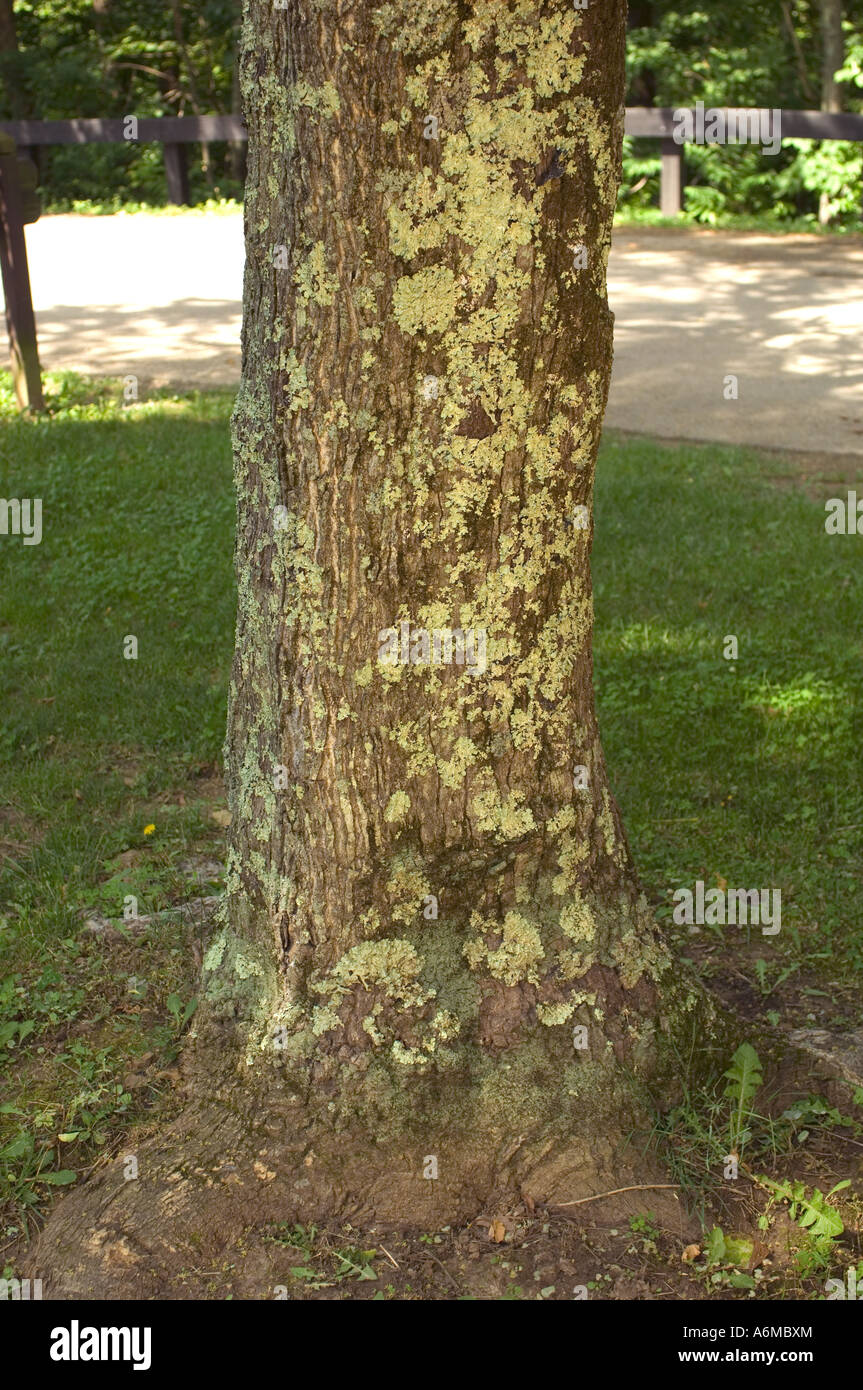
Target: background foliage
64	58
161	57
117	58
766	53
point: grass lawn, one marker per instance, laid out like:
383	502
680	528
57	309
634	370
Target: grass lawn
746	773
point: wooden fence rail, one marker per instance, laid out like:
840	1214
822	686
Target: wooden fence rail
175	132
658	123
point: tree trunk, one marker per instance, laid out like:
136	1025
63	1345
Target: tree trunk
832	54
17	100
237	148
427	351
434	964
832	59
800	56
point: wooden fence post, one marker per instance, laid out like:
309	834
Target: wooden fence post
177	173
671	179
20	319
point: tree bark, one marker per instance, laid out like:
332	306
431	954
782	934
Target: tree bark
426	364
433	944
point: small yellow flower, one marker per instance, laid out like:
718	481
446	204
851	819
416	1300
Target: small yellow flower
148	829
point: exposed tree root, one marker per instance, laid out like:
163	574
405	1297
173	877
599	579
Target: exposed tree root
218	1172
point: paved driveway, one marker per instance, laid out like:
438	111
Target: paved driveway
159	296
784	315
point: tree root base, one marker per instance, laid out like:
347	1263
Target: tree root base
208	1185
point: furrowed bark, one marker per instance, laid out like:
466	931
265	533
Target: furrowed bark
433	943
427	351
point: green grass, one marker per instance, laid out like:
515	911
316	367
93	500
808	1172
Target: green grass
633	215
138	516
109	207
750	771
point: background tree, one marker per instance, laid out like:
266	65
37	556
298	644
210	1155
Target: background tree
435	975
832	54
832	60
11	63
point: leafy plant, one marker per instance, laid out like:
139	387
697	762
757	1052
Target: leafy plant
180	1013
744	1080
642	1224
294	1237
25	1166
814	1112
811	1213
349	1262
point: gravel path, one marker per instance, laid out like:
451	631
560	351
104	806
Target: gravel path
159	296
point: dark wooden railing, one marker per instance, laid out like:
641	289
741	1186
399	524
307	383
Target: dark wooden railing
175	132
658	123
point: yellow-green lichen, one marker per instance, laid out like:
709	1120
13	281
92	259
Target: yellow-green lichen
324	99
392	966
516	957
314	282
407	887
453	770
576	919
397	807
505	818
425	302
552	1015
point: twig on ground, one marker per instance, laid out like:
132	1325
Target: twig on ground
638	1187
